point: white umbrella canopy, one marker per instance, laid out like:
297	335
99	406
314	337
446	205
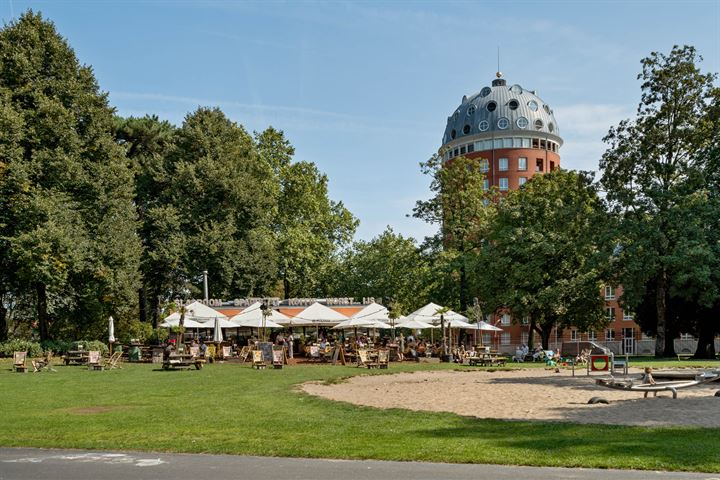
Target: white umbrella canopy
429	314
414	324
373	312
360	323
457	323
198	312
254	312
318	314
483	325
254	322
187	324
217	331
111	330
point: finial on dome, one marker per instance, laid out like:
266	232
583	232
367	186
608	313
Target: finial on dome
498	74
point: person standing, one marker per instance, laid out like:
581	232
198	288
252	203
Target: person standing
290	344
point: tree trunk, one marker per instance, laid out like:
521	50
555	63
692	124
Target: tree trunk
545	336
155	310
706	340
3	322
42	312
142	300
661	311
286	287
531	335
463	286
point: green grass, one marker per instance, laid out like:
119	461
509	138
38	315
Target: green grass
235	409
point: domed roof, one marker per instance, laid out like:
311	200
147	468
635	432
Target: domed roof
501	108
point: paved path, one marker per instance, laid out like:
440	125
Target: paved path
37	464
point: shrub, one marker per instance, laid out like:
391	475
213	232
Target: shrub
58	347
33	349
134	330
90	345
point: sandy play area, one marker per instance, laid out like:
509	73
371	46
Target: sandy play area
536	394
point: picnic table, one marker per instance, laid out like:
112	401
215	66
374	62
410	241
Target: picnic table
182	360
78	357
488	360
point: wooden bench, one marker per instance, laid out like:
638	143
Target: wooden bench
182	361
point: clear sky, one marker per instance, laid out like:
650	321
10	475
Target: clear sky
364	89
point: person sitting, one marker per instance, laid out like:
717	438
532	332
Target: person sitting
203	350
421	348
538	353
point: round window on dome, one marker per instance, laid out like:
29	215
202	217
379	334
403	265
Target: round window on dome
471	109
538	124
513	104
532	105
485	92
551	127
453	134
466	129
503	123
547	109
483	126
516	89
522	122
491	106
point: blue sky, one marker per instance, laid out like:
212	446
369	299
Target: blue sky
364	89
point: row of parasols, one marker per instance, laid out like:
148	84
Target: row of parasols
374	315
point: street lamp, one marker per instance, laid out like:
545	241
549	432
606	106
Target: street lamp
265	310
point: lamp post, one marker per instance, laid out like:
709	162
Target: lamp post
205	286
265	310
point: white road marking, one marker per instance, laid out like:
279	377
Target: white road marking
107	458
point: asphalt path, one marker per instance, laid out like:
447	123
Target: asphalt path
43	464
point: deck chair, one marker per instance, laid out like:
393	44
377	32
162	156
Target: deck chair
383	358
194	351
226	352
19	359
278	358
244	353
258	360
112	362
94	360
315	353
44	364
364	359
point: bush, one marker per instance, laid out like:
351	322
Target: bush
134	330
33	349
90	345
58	347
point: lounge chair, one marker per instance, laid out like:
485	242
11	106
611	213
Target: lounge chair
244	353
226	353
112	361
383	358
278	358
44	364
364	359
94	360
19	359
258	360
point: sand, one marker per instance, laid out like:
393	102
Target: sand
529	394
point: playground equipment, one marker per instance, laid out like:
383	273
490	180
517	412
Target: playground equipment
672	386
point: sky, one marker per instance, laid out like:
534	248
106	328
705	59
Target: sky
364	89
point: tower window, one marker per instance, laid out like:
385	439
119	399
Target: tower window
522	163
532	105
503	164
547	109
551	127
466	129
503	123
503	184
538	124
471	109
462	150
522	122
485	92
483	126
538	164
513	104
491	106
453	134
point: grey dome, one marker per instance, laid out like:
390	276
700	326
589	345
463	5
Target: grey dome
515	109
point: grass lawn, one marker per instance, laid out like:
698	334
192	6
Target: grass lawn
234	409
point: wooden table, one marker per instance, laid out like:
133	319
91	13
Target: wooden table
487	360
78	357
182	360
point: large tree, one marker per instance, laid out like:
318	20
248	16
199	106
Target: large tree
542	260
462	208
68	223
651	172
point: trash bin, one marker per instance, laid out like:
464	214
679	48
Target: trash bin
134	355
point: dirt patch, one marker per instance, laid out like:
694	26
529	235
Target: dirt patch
532	394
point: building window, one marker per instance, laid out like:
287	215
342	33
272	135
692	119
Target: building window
609	293
486	340
505	338
453	134
503	184
505	319
503	164
609	335
573	335
522	122
456	152
471	109
526	143
522	163
471	147
535	143
513	104
592	335
522	181
466	129
462	150
538	124
503	123
486	184
517	142
525	320
485	92
497	143
484	165
483	126
507	143
538	164
491	106
686	336
627	315
610	311
532	105
524	338
551	127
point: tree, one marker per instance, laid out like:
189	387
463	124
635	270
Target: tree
462	208
68	224
309	227
541	259
650	170
388	266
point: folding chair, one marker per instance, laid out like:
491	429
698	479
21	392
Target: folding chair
278	358
19	359
258	360
44	363
383	358
244	353
226	352
112	362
